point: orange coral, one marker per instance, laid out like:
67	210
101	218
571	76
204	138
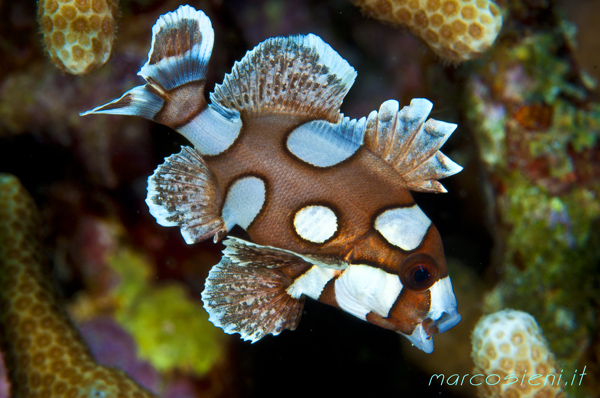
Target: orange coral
44	353
78	34
456	30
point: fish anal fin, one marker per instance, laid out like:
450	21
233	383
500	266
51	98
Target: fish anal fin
246	292
183	192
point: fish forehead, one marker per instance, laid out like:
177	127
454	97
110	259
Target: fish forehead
355	189
376	250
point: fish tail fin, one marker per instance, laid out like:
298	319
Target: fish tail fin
246	292
175	72
183	192
404	139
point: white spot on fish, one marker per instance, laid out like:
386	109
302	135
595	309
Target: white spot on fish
315	223
403	227
245	198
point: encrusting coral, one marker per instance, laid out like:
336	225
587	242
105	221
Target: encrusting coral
456	30
513	358
78	34
44	353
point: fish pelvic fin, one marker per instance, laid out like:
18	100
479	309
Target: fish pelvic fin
409	143
246	293
183	192
295	75
175	72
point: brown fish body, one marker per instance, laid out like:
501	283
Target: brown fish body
356	189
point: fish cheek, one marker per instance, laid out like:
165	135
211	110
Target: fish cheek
409	310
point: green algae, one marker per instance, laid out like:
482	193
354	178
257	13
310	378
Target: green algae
544	176
172	330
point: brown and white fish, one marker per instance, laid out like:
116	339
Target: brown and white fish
324	198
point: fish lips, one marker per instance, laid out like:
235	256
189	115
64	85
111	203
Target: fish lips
442	316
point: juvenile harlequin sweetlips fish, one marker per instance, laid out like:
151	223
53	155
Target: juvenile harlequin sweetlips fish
324	198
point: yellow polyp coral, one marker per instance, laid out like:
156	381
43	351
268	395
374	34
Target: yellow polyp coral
78	34
456	30
513	360
43	352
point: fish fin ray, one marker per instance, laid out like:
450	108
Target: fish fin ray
250	254
182	43
296	75
183	192
409	143
246	293
139	101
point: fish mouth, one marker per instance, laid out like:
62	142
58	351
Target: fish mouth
447	321
442	316
422	336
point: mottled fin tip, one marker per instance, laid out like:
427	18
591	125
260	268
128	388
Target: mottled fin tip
246	292
296	75
183	192
410	144
182	44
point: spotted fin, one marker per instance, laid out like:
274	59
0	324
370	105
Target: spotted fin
183	192
246	292
410	144
296	75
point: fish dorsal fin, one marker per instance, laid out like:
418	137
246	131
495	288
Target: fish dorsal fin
246	293
408	142
296	75
183	192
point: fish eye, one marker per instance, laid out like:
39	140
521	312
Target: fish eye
420	272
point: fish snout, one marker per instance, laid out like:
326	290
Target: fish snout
445	322
441	317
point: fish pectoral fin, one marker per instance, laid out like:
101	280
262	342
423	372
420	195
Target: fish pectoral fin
246	293
410	144
250	254
183	192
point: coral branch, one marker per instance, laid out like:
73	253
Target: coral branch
44	353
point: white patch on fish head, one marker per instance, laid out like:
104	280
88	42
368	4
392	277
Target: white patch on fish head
363	288
442	316
443	310
403	227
